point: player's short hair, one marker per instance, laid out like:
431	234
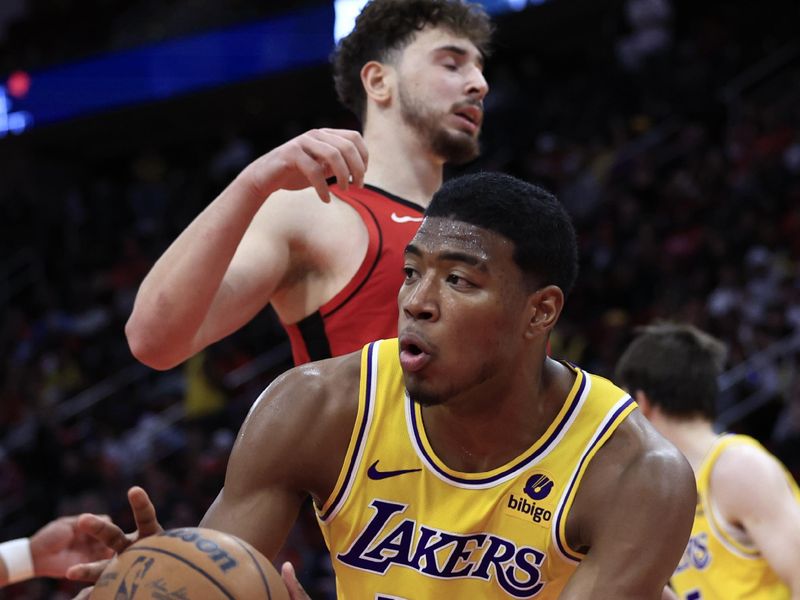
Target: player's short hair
545	246
387	26
676	365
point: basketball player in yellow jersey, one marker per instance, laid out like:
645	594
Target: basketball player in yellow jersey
460	461
745	542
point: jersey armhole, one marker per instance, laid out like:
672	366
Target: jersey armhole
715	522
355	449
374	248
618	413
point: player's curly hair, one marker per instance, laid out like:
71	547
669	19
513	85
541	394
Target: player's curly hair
386	26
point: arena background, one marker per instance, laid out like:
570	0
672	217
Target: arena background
670	129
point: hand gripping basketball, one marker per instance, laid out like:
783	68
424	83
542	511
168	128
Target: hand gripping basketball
191	562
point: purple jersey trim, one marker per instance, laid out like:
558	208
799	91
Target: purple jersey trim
361	435
556	527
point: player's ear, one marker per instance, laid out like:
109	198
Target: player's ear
644	403
543	309
378	81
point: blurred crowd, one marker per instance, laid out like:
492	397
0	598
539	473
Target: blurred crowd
682	174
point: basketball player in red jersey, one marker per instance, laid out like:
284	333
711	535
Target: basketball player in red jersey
412	71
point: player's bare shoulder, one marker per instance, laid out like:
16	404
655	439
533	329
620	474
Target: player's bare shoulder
326	388
637	455
305	418
766	479
636	475
302	211
318	233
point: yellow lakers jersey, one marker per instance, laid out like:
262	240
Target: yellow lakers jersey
715	566
400	524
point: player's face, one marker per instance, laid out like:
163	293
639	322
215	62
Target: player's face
462	310
440	93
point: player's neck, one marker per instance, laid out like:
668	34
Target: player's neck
694	438
486	426
400	163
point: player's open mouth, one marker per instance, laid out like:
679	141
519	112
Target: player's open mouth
469	121
468	117
414	354
470	114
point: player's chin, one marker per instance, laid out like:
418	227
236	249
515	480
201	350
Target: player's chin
459	147
425	397
420	391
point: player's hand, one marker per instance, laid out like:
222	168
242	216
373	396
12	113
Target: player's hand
60	544
309	159
112	537
296	591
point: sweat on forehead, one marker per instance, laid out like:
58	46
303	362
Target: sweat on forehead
440	231
532	219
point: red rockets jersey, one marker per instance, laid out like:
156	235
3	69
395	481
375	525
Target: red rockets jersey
366	309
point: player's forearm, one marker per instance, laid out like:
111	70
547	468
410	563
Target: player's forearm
175	297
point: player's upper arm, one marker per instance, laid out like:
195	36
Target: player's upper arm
763	504
269	254
291	444
636	516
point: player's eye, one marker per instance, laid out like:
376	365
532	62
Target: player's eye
457	280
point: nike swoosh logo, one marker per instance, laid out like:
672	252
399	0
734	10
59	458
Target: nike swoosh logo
373	472
405	219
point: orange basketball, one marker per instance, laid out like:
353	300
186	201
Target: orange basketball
191	562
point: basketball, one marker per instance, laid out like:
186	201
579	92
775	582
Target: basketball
191	562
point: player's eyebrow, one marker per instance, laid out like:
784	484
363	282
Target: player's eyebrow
452	256
412	249
460	51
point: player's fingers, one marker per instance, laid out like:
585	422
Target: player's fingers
345	142
327	153
356	139
104	531
71	520
315	174
97	549
296	591
144	513
87	571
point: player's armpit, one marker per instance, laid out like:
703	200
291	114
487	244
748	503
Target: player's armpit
634	512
